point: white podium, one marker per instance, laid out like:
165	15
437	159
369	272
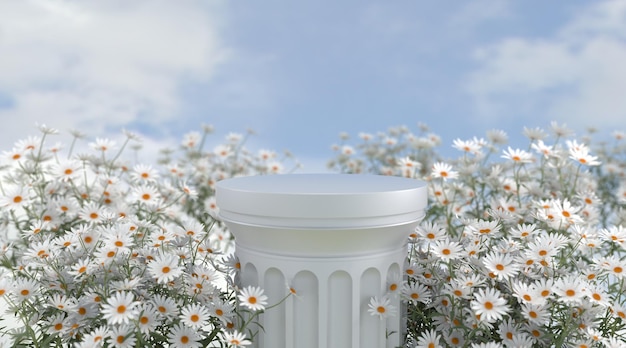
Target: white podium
334	238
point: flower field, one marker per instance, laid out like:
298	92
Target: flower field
520	247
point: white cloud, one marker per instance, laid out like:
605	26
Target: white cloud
575	76
102	64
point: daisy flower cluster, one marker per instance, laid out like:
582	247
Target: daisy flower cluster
98	251
520	247
395	152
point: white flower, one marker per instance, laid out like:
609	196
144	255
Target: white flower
24	289
165	268
253	298
235	339
416	292
121	336
194	315
184	337
489	305
120	308
147	320
144	174
94	338
570	289
444	171
429	339
446	249
517	155
381	307
501	265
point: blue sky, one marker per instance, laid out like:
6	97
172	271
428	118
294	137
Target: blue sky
301	72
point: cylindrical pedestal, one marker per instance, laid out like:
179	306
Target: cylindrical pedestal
332	238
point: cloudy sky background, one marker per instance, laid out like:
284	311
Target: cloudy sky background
298	73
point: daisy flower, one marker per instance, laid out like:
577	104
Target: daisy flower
144	174
502	266
57	324
537	314
517	155
121	336
15	197
447	250
184	337
95	338
222	310
486	228
61	302
67	170
582	156
192	229
265	155
165	268
487	345
416	292
615	234
408	167
253	298
381	307
570	289
471	279
24	289
40	250
456	289
146	194
455	338
614	265
527	293
147	320
489	305
165	306
543	149
395	283
365	136
508	329
561	131
444	171
103	145
120	308
15	155
429	339
566	212
347	150
119	239
29	144
222	151
235	339
91	213
430	231
67	206
467	146
194	315
521	340
534	133
497	136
